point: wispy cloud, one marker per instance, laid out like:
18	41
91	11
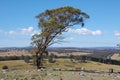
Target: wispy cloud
117	33
85	31
68	39
12	32
22	31
27	31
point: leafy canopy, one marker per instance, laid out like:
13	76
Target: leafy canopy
53	22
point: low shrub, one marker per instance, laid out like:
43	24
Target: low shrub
5	67
52	60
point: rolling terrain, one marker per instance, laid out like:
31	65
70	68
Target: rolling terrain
102	52
20	70
63	68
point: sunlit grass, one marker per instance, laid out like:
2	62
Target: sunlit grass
16	65
20	69
60	63
88	65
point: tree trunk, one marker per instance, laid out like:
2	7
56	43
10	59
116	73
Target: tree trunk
39	59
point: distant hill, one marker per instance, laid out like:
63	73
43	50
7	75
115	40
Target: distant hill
101	52
96	52
6	49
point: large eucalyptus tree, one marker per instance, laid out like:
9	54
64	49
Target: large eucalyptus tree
53	23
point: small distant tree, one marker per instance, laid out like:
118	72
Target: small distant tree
71	57
52	58
119	47
53	23
83	59
27	59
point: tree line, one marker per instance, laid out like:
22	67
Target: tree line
96	59
22	57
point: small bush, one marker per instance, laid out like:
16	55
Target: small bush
27	59
52	60
5	67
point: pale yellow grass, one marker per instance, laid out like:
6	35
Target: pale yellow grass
89	65
24	52
68	54
25	70
116	56
60	63
15	53
16	65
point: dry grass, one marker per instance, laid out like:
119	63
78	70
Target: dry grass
25	70
24	52
116	56
16	65
60	63
15	53
89	65
68	54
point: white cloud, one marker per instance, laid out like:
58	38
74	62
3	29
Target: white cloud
12	32
68	39
85	31
28	31
23	31
117	34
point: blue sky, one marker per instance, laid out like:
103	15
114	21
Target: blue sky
102	29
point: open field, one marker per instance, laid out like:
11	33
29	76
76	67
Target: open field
89	65
16	65
15	53
60	63
116	56
24	52
23	71
57	75
69	53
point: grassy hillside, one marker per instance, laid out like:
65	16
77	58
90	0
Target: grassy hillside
89	65
23	71
16	65
60	63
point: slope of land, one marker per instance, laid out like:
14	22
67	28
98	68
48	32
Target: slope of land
60	63
23	71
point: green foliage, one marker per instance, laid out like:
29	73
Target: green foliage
52	58
54	22
27	59
4	58
34	60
